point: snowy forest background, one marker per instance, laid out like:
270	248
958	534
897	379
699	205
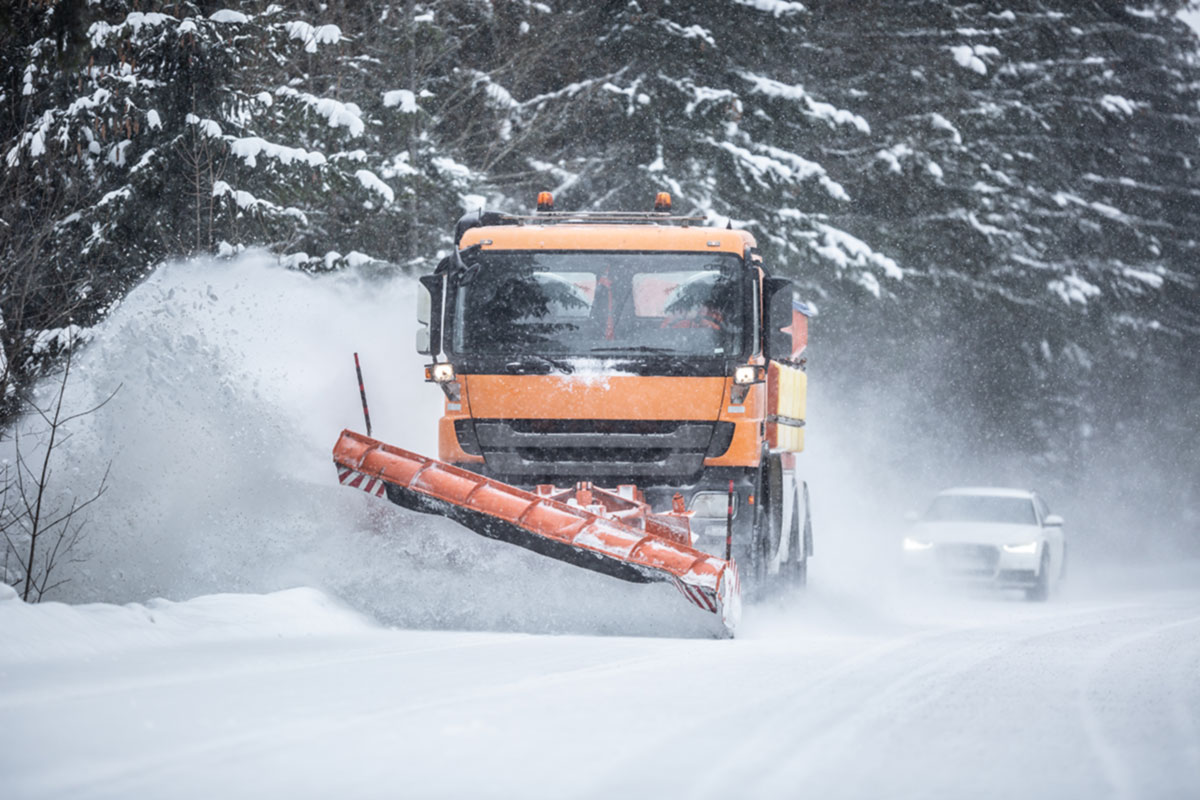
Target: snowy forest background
994	205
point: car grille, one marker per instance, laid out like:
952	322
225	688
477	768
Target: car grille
968	559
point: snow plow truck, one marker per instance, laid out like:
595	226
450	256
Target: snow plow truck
623	391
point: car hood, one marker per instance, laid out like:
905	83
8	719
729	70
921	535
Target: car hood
994	533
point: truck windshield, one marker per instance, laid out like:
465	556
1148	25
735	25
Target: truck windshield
598	304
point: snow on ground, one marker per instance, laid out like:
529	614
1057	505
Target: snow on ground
314	641
58	631
837	695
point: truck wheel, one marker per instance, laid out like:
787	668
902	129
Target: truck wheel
808	531
758	534
764	533
774	509
797	564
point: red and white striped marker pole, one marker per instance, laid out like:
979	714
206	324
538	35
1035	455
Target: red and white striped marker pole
363	392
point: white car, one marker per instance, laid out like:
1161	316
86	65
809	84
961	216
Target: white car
1003	537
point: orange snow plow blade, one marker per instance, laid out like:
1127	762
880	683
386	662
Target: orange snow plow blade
619	541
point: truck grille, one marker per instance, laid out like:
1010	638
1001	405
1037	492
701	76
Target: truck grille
585	449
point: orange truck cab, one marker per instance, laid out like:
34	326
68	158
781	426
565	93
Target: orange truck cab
627	348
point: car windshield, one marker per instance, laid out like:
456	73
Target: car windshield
981	508
598	304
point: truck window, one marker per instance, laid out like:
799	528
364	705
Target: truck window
596	304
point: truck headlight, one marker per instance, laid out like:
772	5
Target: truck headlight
442	373
748	374
1027	548
916	544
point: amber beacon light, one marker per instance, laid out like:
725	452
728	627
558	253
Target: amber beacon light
662	202
545	201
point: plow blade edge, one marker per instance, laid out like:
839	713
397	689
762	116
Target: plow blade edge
549	527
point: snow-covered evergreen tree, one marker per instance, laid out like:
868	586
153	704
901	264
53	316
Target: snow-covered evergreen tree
1032	167
1000	197
691	98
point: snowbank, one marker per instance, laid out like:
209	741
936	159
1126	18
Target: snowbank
49	631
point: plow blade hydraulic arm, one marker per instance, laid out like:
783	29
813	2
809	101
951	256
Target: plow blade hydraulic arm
584	536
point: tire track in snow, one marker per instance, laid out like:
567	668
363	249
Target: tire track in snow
134	776
781	756
828	724
267	663
1118	773
1184	686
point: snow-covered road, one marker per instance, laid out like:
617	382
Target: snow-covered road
830	695
505	674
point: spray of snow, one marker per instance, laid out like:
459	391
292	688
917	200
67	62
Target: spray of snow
235	377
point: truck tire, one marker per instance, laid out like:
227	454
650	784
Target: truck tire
766	567
797	563
767	534
774	509
758	534
808	530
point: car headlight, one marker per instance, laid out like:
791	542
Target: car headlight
916	544
1027	548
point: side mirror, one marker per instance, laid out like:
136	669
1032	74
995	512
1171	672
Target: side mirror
1053	521
777	307
429	315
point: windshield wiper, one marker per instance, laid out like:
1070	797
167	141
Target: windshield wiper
522	363
637	348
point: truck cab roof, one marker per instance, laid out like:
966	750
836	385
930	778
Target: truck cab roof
592	236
